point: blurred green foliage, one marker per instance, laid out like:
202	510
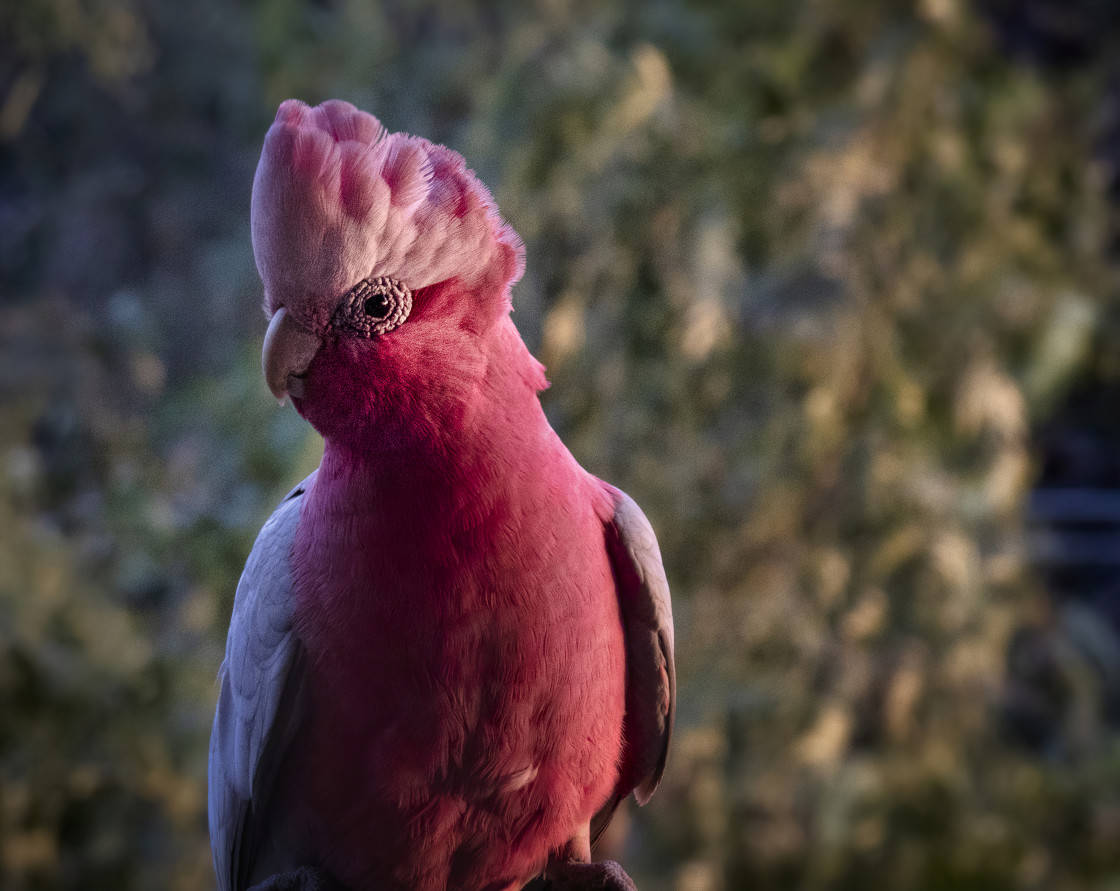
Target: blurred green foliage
805	277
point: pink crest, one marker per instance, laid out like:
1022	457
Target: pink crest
337	199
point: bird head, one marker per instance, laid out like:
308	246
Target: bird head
387	274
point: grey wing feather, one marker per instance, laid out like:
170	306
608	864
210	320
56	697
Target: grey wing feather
260	699
651	680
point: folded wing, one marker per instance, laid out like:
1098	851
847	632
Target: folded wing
651	683
260	703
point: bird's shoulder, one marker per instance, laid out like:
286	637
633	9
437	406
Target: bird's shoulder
262	607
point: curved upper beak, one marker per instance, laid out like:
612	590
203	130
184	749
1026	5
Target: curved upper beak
287	354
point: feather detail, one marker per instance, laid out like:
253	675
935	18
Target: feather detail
337	199
259	706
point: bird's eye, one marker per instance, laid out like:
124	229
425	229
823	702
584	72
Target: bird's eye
378	306
374	306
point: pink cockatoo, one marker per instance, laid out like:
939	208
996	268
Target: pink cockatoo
451	651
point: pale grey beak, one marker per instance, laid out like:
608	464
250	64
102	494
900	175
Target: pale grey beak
287	354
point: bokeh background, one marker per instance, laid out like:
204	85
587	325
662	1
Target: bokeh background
829	286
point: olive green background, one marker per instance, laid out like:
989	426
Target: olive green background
805	275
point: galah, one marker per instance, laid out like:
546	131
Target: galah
451	650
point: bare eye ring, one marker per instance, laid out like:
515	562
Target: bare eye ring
374	306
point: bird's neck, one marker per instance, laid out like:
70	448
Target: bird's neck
497	452
436	482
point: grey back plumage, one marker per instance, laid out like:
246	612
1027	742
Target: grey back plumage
260	700
651	679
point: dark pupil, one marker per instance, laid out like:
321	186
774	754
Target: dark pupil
378	306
